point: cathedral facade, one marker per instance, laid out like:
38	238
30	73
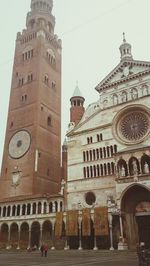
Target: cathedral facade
100	196
109	152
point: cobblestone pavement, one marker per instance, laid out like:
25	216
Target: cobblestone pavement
69	258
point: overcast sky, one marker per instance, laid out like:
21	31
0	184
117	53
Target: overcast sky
91	33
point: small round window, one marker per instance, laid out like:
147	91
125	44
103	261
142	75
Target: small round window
90	198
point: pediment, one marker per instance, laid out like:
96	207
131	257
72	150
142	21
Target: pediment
125	70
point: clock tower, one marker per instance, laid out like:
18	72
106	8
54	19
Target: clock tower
32	150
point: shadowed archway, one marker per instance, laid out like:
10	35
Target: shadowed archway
131	197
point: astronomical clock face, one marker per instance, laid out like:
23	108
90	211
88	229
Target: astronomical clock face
132	126
19	144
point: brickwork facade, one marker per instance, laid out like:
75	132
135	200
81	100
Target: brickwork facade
33	135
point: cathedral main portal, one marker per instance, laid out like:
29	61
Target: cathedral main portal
135	206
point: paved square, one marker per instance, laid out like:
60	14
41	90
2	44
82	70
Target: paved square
69	258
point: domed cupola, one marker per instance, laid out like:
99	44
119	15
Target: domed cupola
125	50
77	106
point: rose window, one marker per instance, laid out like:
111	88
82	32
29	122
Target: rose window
134	126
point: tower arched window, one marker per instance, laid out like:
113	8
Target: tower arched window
27	53
49	121
46	79
51	56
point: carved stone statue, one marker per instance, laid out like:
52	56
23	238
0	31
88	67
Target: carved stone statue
146	168
62	187
135	168
122	171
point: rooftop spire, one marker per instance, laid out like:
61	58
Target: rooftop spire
125	50
77	92
124	39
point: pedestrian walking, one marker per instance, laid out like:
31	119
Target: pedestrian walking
42	250
45	250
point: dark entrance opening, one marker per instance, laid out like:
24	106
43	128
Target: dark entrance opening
35	234
144	229
136	225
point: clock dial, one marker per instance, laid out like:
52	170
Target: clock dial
19	144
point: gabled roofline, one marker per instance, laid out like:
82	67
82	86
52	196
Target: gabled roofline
104	83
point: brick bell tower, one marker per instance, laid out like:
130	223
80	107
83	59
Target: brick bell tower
32	150
77	106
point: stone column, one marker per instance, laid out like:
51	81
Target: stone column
20	210
53	207
121	245
80	233
8	241
128	168
110	231
42	207
58	206
11	208
29	242
41	235
121	227
18	247
66	241
95	243
16	211
36	208
31	210
139	159
53	235
26	210
47	207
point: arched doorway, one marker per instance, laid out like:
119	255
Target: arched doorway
135	225
47	233
24	236
88	241
14	235
143	221
4	235
35	234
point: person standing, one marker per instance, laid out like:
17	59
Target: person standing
45	250
42	250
